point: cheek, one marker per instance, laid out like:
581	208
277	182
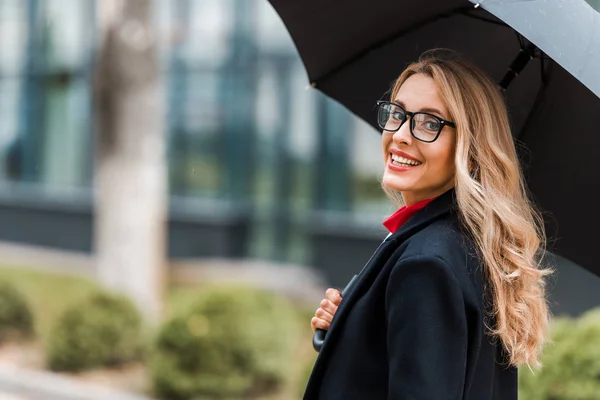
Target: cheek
441	158
386	138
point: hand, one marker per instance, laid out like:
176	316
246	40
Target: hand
327	309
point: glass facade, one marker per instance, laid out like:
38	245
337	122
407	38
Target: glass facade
45	67
243	128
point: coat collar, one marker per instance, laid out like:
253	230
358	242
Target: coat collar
403	214
439	207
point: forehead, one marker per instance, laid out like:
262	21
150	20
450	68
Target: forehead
418	92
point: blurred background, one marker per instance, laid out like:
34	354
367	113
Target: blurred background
253	177
252	152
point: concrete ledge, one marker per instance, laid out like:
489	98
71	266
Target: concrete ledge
296	282
40	385
47	259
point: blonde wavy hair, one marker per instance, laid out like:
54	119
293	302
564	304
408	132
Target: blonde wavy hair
493	202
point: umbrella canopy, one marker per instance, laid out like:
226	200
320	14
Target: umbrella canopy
354	49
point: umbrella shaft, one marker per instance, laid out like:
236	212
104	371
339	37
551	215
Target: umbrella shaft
520	61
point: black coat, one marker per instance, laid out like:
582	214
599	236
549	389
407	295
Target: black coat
412	325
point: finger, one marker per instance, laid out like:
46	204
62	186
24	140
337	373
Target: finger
324	315
334	295
317	323
328	306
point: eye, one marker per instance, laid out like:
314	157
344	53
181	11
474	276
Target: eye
431	124
398	115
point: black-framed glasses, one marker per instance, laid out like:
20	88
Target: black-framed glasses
423	126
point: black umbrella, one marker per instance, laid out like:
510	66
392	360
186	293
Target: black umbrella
354	49
546	54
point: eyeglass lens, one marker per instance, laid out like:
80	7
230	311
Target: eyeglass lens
424	127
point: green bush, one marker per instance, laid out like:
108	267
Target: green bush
16	320
102	330
571	363
231	343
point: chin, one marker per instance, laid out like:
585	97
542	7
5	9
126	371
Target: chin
398	185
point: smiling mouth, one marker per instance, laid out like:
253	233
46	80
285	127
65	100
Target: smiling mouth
404	162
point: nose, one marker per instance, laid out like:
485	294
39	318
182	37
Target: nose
403	134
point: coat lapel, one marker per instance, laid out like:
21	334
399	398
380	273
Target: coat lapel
439	207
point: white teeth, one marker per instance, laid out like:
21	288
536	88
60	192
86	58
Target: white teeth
403	160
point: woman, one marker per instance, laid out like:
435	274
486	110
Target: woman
453	300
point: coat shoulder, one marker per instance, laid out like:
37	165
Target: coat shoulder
443	238
447	240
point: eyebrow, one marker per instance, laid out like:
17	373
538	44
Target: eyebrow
425	109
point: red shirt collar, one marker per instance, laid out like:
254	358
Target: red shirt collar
396	220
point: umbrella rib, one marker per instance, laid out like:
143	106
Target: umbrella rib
467	11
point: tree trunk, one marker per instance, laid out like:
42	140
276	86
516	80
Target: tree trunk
130	167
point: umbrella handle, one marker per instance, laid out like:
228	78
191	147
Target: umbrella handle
319	335
319	339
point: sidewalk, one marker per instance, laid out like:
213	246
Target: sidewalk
22	384
8	396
